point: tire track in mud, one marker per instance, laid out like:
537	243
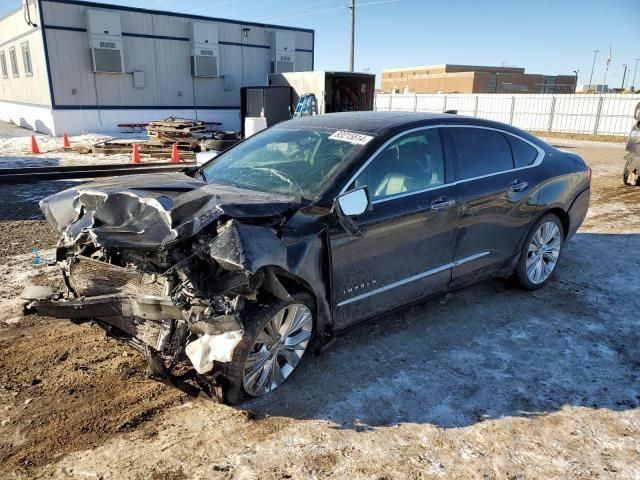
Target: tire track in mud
64	387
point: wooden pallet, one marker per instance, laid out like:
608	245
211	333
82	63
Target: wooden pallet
150	148
173	127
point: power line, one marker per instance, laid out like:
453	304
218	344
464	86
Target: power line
244	8
282	14
208	7
312	13
338	8
158	4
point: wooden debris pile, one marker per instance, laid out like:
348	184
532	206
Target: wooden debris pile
173	128
191	136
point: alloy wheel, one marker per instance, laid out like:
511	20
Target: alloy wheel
543	252
278	349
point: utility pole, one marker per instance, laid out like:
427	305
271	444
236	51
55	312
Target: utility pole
635	70
595	54
624	74
352	14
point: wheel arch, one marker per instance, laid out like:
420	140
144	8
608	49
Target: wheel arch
293	284
562	215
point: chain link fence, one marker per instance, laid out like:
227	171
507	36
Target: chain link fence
609	114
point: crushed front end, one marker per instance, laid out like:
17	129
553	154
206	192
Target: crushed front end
163	303
171	281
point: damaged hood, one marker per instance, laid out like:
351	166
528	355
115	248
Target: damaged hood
149	211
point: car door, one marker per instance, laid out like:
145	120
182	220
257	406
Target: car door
406	251
497	201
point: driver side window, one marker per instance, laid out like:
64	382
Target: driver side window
409	164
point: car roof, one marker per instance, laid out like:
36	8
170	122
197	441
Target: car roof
365	122
376	122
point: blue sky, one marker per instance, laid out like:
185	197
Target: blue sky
550	37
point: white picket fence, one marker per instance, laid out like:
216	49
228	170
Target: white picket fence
609	114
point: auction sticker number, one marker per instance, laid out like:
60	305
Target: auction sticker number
351	137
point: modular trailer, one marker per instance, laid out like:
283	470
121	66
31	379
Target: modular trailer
82	66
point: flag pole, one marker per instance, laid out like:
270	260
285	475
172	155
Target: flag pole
606	69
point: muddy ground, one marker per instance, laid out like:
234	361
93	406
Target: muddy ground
490	382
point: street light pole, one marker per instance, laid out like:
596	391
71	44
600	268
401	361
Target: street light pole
352	8
575	82
595	54
635	70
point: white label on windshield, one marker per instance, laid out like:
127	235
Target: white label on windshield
351	137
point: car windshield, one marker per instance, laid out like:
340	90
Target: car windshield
292	161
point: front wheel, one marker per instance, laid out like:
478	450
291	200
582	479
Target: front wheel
277	335
540	253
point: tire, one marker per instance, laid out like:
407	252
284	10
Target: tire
238	386
218	145
226	136
539	257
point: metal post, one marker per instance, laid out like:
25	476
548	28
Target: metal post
444	104
352	9
624	75
513	107
635	70
475	106
390	101
553	109
595	54
415	102
598	113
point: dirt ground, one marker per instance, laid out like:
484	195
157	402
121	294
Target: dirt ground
489	382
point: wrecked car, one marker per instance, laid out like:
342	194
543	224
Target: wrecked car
631	174
224	275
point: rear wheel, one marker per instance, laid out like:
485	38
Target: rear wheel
277	335
540	253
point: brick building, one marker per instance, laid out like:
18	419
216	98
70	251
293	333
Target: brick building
448	78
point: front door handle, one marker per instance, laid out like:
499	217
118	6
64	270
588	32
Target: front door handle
518	187
442	204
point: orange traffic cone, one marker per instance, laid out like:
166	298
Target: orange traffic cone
65	141
135	157
175	156
34	145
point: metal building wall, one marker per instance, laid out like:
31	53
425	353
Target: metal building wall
24	99
158	45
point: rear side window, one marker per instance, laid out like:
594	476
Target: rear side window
524	154
480	152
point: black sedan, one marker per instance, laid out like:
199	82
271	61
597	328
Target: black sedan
230	271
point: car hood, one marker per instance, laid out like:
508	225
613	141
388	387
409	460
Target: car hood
150	211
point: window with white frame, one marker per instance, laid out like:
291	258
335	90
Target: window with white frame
26	58
14	62
3	65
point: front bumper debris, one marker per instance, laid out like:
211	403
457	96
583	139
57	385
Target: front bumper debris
145	318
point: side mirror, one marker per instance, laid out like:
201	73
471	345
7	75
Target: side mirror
353	203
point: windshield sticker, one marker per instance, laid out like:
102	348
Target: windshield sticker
351	137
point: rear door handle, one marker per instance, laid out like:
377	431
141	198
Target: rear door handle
518	187
442	204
